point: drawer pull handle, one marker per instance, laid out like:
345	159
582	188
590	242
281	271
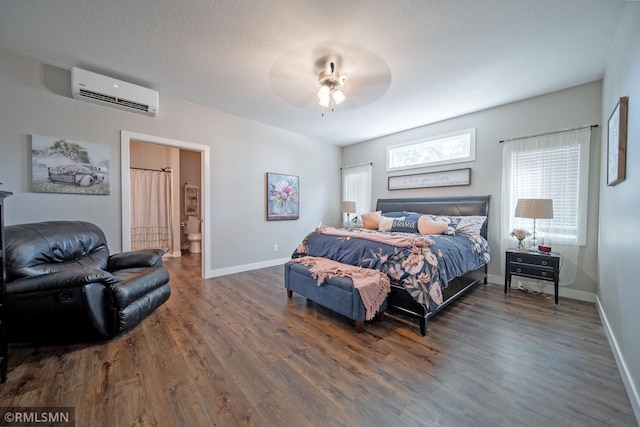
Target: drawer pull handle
519	259
518	270
544	273
544	262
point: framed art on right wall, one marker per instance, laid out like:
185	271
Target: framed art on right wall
617	143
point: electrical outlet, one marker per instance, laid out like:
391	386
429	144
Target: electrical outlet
275	247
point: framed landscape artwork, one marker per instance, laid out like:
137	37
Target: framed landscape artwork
283	193
617	143
61	165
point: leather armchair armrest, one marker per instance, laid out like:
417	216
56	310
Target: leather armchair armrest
135	259
59	280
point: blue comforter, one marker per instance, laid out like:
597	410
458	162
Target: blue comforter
422	271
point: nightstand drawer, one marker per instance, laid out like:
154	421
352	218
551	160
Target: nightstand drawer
533	271
534	260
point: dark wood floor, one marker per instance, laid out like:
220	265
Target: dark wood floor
235	351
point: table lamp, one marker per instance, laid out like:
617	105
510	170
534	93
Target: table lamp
348	208
536	209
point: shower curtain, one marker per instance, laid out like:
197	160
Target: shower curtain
151	201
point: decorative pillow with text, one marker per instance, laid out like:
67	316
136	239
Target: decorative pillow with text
405	225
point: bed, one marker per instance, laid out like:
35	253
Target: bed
424	277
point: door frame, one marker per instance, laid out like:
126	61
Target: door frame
125	163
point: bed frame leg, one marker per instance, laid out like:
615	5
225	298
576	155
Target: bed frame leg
423	326
289	293
360	327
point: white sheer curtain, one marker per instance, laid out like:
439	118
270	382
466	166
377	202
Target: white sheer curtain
151	201
356	187
553	166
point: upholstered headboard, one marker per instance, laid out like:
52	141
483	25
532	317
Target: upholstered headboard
457	206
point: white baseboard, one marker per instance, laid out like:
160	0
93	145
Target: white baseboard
244	267
574	294
632	390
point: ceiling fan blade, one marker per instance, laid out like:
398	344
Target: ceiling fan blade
371	80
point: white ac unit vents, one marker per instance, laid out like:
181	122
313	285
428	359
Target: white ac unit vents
103	90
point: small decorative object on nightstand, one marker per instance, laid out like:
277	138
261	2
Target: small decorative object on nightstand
520	234
535	265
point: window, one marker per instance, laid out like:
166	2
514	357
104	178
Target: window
551	166
454	147
356	187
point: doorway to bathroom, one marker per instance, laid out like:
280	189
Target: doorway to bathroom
188	165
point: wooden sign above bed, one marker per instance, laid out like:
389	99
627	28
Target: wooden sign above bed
431	179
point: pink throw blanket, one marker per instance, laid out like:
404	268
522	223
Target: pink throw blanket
373	285
395	239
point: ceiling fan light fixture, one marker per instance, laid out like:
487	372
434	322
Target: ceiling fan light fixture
330	84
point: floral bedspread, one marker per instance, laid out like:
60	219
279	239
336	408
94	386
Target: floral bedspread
422	271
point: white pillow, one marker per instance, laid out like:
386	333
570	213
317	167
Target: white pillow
470	225
386	223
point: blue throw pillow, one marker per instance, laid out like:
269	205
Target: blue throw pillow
405	226
393	214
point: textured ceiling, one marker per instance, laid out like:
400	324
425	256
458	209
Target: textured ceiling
409	63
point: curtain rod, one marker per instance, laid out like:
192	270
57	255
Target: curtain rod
359	164
549	133
167	169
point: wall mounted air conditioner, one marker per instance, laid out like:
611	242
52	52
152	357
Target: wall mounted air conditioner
103	90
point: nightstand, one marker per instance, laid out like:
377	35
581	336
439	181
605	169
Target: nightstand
534	265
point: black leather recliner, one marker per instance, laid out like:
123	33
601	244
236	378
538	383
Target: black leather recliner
62	284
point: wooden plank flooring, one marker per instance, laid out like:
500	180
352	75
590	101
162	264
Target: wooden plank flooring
235	351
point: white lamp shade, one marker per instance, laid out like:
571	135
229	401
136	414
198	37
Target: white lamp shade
534	208
338	97
348	207
324	101
324	92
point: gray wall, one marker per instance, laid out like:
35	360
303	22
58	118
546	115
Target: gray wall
568	108
36	99
619	287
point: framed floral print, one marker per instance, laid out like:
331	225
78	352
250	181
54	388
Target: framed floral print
282	197
617	143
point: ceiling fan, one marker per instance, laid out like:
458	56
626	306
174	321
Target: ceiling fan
334	74
330	85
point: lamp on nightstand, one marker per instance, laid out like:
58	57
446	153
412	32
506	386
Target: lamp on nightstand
536	209
348	208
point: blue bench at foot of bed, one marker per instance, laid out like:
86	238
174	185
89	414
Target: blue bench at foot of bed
336	294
